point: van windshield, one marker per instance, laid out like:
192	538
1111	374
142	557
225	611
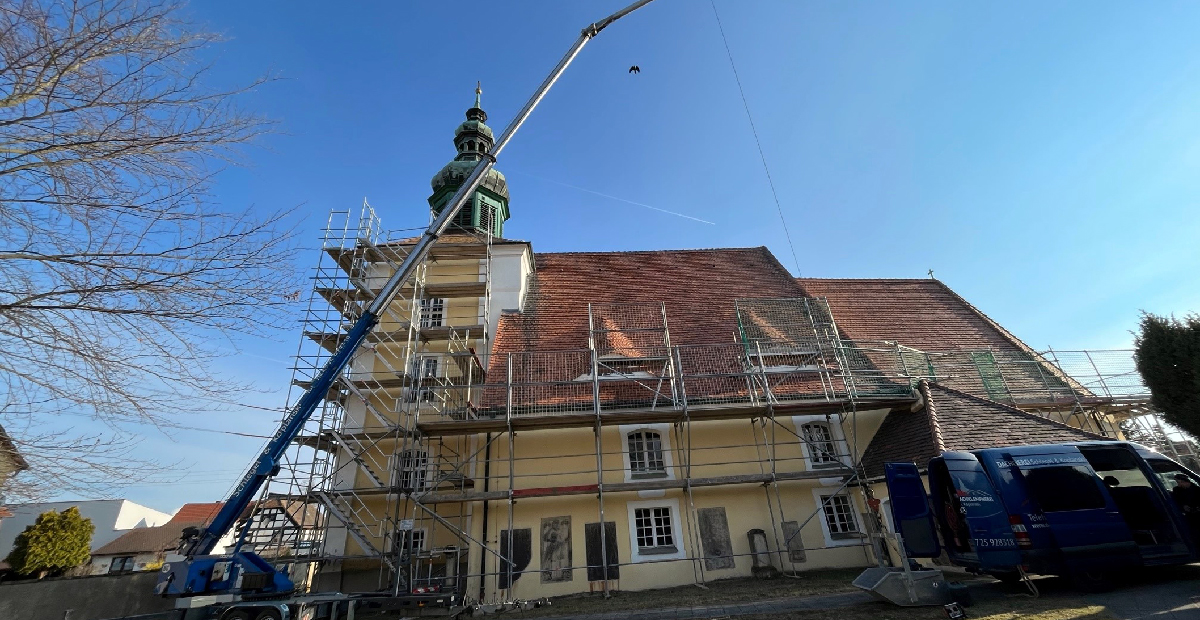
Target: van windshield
1064	487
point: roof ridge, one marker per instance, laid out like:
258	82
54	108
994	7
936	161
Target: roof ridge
935	427
667	251
868	279
1012	409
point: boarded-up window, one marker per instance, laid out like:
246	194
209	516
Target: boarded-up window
714	538
522	545
591	536
795	544
556	549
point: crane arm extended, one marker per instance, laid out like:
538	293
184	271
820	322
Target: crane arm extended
268	462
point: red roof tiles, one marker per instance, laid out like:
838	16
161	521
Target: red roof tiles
698	286
965	422
924	314
191	513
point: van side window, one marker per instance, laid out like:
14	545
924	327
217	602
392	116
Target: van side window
1167	470
1063	488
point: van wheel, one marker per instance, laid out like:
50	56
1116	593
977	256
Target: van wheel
268	614
238	614
1092	580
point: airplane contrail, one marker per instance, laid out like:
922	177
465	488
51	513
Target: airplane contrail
617	198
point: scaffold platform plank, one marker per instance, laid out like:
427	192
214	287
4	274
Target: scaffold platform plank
345	257
616	487
397	337
700	413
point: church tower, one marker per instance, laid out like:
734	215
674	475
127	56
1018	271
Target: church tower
487	209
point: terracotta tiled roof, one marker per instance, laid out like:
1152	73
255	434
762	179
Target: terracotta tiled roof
920	313
4	512
698	286
197	512
965	422
148	539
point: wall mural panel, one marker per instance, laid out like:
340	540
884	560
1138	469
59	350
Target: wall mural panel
556	549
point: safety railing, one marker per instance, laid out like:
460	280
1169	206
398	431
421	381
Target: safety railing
760	372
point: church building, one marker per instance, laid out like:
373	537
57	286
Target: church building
526	424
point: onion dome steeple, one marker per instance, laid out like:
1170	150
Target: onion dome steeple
487	209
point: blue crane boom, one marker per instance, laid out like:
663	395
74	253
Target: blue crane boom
267	463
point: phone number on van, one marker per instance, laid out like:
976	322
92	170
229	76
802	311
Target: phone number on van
994	542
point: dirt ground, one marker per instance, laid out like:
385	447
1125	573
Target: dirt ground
716	592
1158	594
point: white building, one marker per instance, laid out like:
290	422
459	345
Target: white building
112	518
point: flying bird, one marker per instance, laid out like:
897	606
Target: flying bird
635	69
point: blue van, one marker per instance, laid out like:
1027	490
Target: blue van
1081	510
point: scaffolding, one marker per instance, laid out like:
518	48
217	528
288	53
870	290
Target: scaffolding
412	467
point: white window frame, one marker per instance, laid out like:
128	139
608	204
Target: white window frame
635	553
664	435
823	450
433	312
424	540
819	494
835	431
401	475
425	370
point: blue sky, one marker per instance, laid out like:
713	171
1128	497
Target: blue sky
1042	158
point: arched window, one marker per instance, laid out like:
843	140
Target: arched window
646	455
818	438
414	467
471	145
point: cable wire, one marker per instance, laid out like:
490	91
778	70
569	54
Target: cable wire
757	142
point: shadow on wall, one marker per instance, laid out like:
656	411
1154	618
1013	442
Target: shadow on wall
88	598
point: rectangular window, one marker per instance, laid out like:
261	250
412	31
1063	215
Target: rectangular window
424	371
1064	488
433	312
425	367
839	516
416	540
822	451
646	455
122	564
413	471
653	529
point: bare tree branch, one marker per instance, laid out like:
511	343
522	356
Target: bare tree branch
120	281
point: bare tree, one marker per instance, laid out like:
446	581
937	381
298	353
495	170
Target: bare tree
120	281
